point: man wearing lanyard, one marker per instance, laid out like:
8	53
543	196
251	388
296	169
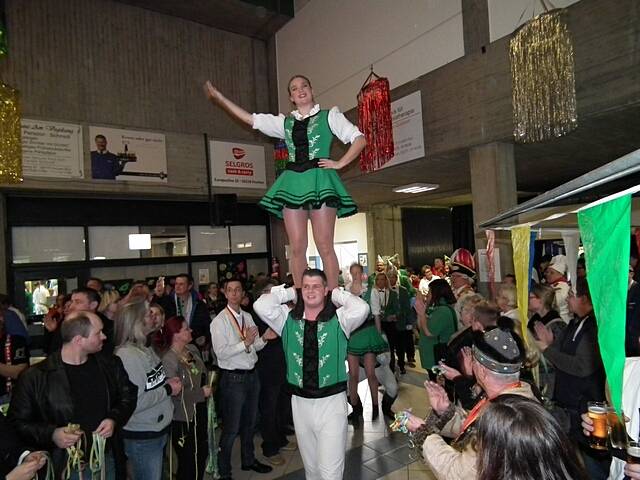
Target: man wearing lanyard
235	342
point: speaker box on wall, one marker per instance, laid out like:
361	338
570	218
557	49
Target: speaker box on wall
225	211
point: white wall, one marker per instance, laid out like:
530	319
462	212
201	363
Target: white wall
334	42
507	15
348	229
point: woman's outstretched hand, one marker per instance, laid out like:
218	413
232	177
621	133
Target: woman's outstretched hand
212	93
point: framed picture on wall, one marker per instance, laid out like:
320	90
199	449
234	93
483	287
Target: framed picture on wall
362	259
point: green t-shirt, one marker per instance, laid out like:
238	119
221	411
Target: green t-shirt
442	322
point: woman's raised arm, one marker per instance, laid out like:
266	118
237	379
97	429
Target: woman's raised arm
214	96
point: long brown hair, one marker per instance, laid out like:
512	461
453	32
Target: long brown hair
518	439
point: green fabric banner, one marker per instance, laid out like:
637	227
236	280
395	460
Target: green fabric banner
605	230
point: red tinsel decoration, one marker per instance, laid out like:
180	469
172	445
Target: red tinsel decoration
281	156
374	121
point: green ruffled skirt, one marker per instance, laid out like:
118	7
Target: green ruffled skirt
366	339
309	190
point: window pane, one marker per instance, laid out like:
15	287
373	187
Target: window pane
206	240
166	242
106	243
248	239
47	244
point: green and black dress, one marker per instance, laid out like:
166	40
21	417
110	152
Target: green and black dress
366	338
303	184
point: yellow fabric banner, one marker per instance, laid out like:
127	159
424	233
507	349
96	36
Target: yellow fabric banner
520	240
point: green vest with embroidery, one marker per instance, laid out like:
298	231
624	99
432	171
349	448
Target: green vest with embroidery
319	136
330	360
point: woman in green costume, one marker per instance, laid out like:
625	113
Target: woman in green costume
365	343
309	187
439	323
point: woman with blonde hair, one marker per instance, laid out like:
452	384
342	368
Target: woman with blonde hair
145	434
109	303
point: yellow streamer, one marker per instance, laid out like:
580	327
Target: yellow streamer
520	239
10	136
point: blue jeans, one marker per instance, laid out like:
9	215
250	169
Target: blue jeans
146	456
239	393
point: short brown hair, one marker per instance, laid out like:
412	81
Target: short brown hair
78	324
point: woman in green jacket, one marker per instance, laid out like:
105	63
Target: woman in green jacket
437	322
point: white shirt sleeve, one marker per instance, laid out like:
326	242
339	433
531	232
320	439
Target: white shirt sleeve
270	125
269	307
342	128
352	311
375	302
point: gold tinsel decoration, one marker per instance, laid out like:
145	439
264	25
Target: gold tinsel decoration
542	72
10	136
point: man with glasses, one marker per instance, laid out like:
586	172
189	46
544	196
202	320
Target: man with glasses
236	343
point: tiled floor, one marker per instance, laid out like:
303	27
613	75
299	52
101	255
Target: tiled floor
373	452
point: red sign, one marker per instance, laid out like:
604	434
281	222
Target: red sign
238	153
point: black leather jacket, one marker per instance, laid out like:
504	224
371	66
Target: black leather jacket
41	402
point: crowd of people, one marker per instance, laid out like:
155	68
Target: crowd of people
127	376
539	379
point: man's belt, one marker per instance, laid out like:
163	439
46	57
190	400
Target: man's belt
238	371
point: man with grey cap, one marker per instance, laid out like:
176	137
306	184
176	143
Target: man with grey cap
497	356
555	275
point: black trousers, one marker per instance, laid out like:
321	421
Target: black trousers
272	408
190	461
410	346
396	345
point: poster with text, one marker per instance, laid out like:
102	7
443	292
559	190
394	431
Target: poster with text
237	165
483	265
127	155
51	149
408	131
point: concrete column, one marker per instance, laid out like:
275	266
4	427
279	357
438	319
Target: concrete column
475	25
493	190
4	231
384	233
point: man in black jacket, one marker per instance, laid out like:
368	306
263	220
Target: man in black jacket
576	357
76	385
185	302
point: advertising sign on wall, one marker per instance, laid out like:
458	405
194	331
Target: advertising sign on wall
127	155
408	131
51	149
237	165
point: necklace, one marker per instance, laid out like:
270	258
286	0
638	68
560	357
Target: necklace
186	357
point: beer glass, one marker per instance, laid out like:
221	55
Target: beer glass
633	452
597	412
617	430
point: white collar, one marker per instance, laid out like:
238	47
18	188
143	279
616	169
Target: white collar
298	116
235	314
